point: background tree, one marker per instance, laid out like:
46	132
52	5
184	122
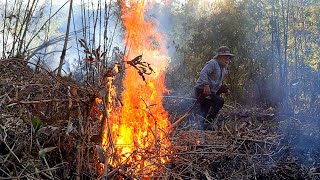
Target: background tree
276	43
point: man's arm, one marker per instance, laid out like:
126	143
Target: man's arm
204	75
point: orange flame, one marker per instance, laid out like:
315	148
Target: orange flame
139	129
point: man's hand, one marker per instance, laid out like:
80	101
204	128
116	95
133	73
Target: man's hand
206	90
223	89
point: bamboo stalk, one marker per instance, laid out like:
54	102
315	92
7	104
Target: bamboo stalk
65	40
41	28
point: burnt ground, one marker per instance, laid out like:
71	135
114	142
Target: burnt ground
247	143
46	132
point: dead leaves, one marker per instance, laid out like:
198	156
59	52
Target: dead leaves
142	67
91	55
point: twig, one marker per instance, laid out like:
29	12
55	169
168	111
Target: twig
111	173
6	174
40	101
44	158
255	140
45	170
177	97
183	116
31	128
105	119
4	141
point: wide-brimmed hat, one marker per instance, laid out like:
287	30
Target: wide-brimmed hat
223	51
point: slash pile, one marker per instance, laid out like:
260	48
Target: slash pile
45	125
49	130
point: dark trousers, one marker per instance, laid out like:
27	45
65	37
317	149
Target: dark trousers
215	102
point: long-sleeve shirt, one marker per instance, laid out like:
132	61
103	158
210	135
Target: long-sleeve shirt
212	74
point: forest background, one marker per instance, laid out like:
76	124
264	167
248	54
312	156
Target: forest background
276	43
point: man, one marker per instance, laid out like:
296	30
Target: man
209	83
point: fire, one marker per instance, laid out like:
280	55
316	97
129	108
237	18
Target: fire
139	129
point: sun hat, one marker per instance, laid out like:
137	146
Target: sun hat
223	51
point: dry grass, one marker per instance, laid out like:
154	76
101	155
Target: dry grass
243	143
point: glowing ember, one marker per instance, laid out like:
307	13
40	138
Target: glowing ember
139	129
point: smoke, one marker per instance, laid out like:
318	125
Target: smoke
161	14
177	103
82	27
296	99
300	122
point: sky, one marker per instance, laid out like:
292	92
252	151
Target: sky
61	22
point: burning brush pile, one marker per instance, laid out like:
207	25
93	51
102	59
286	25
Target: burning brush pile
61	142
55	128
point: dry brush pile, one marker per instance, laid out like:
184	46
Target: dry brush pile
241	145
244	143
49	130
45	125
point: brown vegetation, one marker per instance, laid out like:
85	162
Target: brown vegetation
51	135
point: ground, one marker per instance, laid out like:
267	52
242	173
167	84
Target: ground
48	133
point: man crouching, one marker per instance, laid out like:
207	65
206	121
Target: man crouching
209	84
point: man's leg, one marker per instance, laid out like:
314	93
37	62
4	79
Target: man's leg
216	103
204	106
204	109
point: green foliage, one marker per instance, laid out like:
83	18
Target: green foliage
43	152
199	34
36	123
275	43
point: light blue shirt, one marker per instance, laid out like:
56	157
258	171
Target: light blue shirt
211	74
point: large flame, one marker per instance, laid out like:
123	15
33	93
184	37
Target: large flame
139	130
